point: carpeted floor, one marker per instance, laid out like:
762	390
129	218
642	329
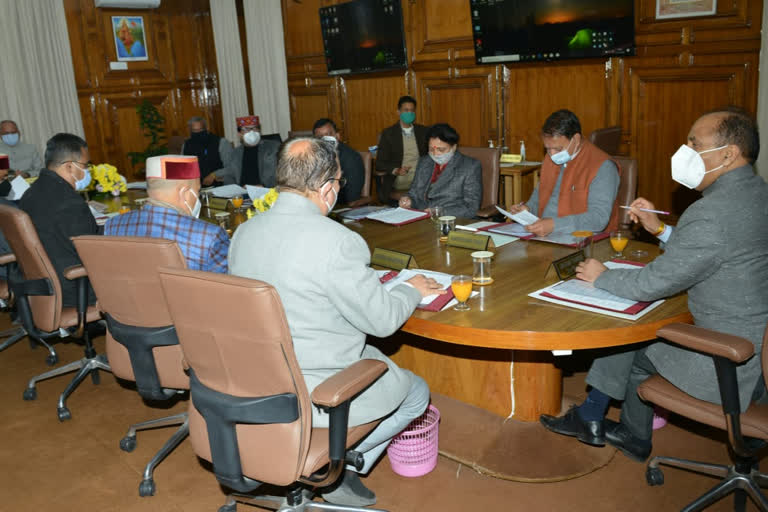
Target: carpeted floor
78	466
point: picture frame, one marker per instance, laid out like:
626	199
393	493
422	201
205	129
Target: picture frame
666	9
130	38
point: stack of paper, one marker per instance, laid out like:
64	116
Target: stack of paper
362	212
398	216
228	191
498	239
523	217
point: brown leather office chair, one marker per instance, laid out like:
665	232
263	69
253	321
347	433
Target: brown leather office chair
38	298
489	160
141	341
300	133
365	194
250	412
608	139
175	143
15	333
627	187
747	432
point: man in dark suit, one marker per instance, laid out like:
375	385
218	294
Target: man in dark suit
58	211
351	162
254	161
211	150
446	178
400	147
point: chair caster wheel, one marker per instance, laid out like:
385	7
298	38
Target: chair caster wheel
30	394
64	414
95	377
147	488
230	507
52	359
128	444
654	476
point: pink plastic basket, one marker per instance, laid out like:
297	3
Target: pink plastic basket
413	452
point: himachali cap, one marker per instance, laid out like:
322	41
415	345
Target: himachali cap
248	121
5	163
173	167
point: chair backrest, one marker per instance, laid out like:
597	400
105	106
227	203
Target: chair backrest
175	142
34	264
133	297
367	164
608	139
236	340
627	186
299	133
489	160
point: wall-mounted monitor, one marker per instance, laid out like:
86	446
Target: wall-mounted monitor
363	36
548	30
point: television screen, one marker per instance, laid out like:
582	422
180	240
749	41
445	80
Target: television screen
363	36
541	30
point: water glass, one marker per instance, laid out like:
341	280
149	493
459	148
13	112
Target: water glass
584	242
481	267
447	224
435	212
461	286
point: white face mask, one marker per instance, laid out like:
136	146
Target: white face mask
251	138
562	157
194	210
335	198
688	167
331	139
443	158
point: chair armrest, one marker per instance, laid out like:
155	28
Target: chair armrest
733	348
350	381
75	272
488	211
7	258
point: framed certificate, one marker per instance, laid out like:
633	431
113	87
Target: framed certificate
684	8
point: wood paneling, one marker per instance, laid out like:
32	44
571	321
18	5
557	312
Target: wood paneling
369	106
180	77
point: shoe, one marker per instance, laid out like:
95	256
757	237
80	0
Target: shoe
571	424
619	436
350	491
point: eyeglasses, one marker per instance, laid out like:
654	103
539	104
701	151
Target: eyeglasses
342	181
87	165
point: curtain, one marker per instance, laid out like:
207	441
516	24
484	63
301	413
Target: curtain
762	100
266	61
229	58
37	78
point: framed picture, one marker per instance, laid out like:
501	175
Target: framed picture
130	38
684	8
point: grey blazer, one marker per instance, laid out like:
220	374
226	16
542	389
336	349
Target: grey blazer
233	166
718	253
332	298
459	189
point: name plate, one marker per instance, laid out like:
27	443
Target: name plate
218	203
395	260
474	241
566	267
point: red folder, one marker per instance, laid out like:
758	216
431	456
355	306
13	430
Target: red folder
436	305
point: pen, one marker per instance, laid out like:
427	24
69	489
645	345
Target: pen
646	210
466	228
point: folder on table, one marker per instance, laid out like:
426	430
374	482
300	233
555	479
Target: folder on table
431	302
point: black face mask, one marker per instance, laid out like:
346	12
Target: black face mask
199	135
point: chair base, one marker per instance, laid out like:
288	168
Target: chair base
742	484
13	335
302	499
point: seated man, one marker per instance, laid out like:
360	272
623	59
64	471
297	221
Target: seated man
212	151
351	162
24	158
253	162
173	184
332	299
578	185
58	211
400	147
717	253
446	178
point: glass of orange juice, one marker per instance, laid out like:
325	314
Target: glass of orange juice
124	209
619	240
461	286
237	202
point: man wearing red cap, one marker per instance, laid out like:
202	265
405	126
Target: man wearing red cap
254	161
173	184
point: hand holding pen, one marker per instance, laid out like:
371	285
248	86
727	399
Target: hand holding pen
642	210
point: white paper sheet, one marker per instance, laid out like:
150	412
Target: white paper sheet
405	274
255	192
228	191
397	215
137	185
363	212
510	229
18	186
498	240
524	217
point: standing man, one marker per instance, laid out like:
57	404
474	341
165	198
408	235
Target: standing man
210	149
351	162
58	211
24	158
400	147
253	162
717	253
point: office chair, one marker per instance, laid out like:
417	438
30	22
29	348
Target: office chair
627	187
608	139
14	334
489	160
141	342
39	302
747	431
250	412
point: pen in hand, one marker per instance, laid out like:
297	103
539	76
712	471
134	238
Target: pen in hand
646	210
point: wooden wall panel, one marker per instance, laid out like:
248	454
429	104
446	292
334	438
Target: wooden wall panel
311	102
369	106
301	21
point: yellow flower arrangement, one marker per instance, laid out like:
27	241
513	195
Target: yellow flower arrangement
107	179
263	204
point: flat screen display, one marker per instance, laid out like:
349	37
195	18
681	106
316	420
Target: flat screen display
363	36
546	30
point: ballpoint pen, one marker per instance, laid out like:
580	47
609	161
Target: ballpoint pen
646	210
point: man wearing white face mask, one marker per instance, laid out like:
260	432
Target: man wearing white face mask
717	253
332	299
173	185
253	162
58	211
24	158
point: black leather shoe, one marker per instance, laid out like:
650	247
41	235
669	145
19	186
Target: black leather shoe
571	424
622	439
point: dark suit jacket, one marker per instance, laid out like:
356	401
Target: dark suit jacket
233	165
459	189
352	169
389	155
58	213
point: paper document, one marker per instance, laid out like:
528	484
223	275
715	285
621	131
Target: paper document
362	212
137	185
582	291
97	208
523	217
498	240
406	274
398	216
568	239
255	192
18	186
102	219
228	191
510	229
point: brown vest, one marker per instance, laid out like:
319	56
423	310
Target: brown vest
574	189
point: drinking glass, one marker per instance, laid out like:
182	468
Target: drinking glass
447	224
124	208
237	202
461	286
481	267
584	241
222	219
619	240
435	212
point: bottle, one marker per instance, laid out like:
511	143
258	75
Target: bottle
522	150
490	143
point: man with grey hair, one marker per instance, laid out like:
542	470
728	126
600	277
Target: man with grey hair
332	299
210	149
24	158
